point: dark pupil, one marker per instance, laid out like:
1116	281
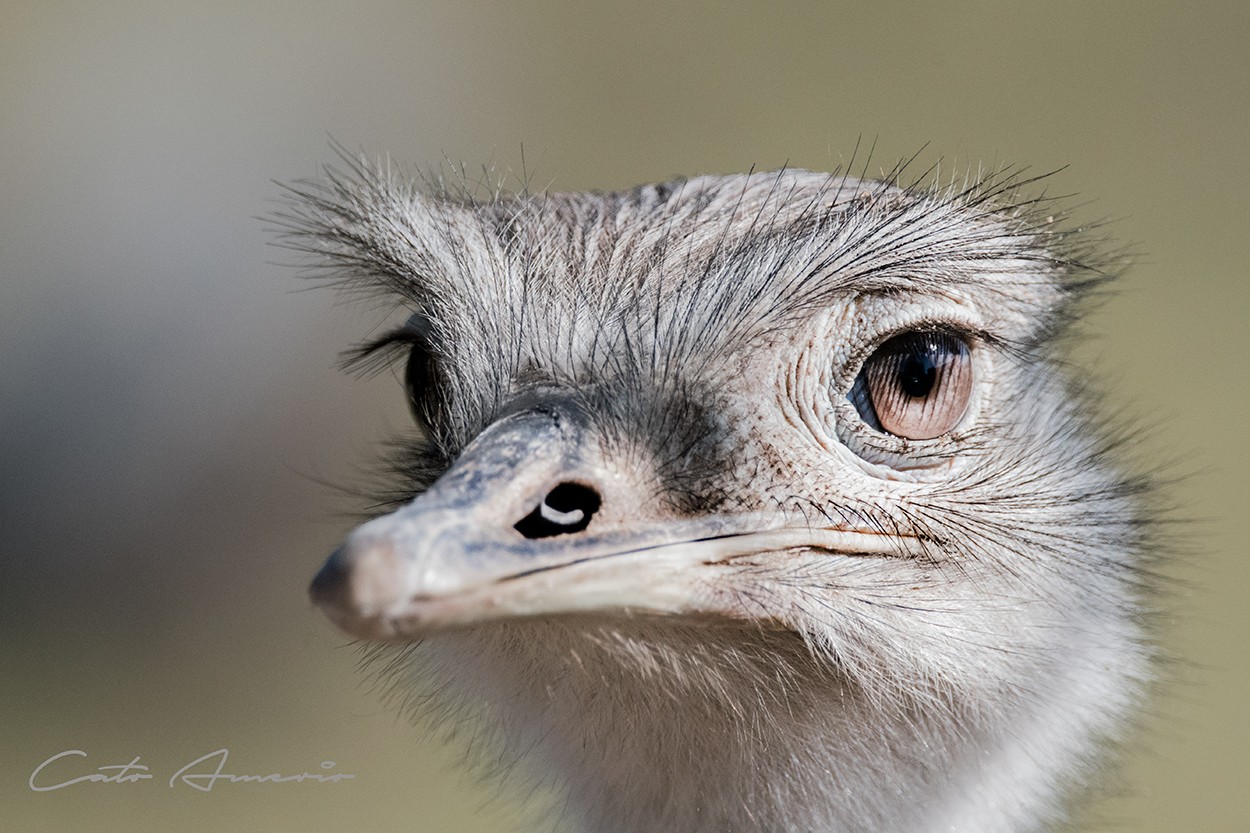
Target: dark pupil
917	372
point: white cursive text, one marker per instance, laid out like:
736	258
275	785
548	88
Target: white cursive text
201	774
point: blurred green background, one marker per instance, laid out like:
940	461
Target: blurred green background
172	423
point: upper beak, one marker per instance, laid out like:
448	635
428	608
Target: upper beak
530	520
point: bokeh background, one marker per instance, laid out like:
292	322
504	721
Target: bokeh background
174	432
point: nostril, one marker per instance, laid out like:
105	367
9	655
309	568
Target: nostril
566	508
570	498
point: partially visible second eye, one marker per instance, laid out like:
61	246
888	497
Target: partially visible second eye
410	343
916	385
418	380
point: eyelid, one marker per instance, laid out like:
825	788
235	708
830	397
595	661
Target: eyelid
971	335
956	329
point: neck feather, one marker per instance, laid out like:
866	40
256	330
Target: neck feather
651	726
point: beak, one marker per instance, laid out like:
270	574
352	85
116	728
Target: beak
530	521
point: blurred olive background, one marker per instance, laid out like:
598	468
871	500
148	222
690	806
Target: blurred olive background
173	429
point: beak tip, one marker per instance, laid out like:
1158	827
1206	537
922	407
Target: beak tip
362	585
329	586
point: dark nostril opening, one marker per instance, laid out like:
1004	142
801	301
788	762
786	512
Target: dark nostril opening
566	508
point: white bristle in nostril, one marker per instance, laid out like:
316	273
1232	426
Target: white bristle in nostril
555	516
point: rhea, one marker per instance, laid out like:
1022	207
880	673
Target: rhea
745	503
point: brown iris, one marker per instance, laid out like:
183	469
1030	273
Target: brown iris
918	384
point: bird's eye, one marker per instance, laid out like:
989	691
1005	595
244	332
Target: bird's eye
418	373
916	385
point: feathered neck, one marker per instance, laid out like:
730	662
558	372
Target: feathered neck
651	726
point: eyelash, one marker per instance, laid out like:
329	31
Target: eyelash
373	357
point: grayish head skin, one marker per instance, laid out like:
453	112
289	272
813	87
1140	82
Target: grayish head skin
779	617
